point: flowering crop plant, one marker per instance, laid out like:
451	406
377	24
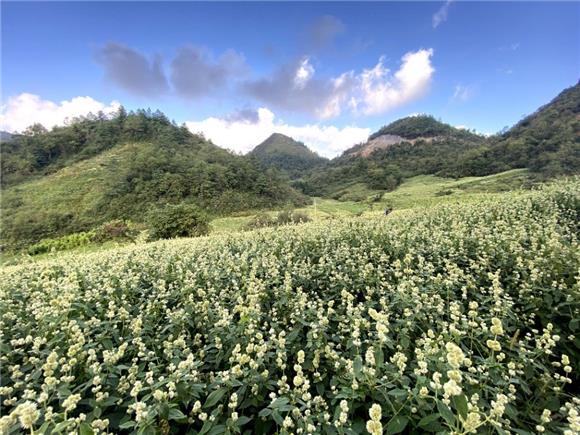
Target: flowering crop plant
461	318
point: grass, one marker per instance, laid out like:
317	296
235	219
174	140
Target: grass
420	191
12	258
429	190
322	208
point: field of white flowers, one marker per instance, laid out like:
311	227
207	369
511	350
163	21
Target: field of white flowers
457	319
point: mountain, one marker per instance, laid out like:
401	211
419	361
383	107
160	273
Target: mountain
547	142
410	146
286	154
421	129
5	136
98	169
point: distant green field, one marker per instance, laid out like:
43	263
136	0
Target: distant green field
420	191
322	208
428	190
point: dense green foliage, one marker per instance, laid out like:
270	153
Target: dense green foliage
547	142
434	150
77	177
286	154
38	151
413	127
458	319
63	243
285	217
181	220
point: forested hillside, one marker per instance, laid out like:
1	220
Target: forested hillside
97	169
547	142
284	153
416	145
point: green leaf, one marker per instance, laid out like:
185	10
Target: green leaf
85	429
460	403
163	410
397	424
214	397
205	428
217	430
243	420
428	420
62	426
277	417
265	412
398	392
127	425
446	413
147	430
176	414
357	366
379	357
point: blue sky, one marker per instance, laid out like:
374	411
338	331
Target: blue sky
328	73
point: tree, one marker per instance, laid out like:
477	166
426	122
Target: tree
182	220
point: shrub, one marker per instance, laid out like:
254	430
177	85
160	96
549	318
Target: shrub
61	243
182	220
116	229
261	220
290	217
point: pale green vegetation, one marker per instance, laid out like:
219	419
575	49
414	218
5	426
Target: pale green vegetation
429	190
419	191
458	318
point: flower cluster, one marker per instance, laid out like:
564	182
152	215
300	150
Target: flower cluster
456	319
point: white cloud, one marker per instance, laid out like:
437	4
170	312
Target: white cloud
463	93
379	91
26	109
441	15
241	136
294	87
304	72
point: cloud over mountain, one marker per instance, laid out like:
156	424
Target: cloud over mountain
133	71
294	87
26	109
195	73
241	136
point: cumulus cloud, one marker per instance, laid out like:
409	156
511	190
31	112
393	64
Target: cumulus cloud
26	109
441	15
242	136
324	30
245	115
462	93
379	91
132	70
294	87
195	73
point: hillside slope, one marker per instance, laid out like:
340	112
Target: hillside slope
547	142
86	186
410	146
286	154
